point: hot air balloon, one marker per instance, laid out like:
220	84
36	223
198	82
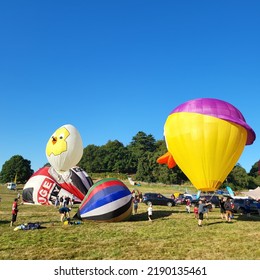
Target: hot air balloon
63	178
42	188
64	148
205	137
108	200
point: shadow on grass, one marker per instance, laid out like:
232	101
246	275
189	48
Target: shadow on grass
213	223
158	214
5	222
245	218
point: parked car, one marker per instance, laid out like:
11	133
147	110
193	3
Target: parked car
245	206
213	199
157	199
182	198
192	197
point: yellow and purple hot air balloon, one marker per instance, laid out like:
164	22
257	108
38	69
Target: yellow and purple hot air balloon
205	137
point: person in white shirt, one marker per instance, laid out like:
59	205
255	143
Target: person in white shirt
150	211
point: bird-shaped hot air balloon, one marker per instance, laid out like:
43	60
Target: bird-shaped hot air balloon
205	137
64	151
64	148
63	178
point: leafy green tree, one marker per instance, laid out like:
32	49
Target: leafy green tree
111	157
140	144
253	182
17	167
254	171
116	157
145	168
89	161
238	178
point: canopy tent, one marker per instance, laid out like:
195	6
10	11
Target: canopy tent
255	194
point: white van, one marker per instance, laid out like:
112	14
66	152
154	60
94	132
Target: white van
11	186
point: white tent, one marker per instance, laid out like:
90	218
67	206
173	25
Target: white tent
255	194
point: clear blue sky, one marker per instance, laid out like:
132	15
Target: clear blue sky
113	68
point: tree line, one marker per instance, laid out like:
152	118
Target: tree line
137	159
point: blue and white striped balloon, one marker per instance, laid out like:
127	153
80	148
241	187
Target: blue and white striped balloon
107	200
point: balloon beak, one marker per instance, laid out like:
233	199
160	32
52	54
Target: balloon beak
167	159
54	140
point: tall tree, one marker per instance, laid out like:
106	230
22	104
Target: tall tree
16	166
254	171
89	160
140	144
238	178
115	156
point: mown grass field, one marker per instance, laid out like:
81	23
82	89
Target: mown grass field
172	235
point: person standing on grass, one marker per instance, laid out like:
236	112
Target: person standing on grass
196	211
228	208
150	211
247	208
57	201
202	209
188	205
14	211
222	208
135	202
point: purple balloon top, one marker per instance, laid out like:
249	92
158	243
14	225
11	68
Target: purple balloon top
219	109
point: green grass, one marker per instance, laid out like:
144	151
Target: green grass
172	235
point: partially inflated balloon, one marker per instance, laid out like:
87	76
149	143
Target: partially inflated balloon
75	180
64	148
206	137
108	200
44	187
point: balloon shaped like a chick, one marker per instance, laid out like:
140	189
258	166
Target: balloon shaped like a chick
63	178
64	148
205	137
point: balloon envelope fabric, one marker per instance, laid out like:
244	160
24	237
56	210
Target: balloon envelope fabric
44	186
205	138
107	200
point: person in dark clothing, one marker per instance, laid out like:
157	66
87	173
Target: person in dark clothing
64	213
14	211
228	208
222	208
202	209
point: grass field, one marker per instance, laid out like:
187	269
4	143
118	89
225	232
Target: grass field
172	235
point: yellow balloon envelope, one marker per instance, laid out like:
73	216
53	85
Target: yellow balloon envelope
205	137
205	148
